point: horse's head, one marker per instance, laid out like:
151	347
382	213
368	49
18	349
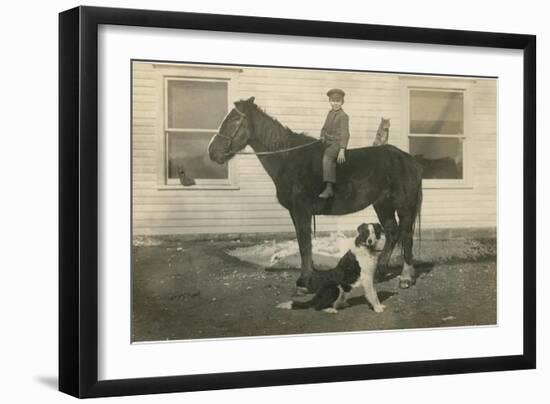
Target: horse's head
234	133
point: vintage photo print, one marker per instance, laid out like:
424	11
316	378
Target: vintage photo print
274	201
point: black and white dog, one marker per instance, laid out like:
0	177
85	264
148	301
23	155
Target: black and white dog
355	270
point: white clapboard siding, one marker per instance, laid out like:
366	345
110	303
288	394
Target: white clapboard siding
297	99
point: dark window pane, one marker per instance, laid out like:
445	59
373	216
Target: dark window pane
440	157
437	112
188	151
196	104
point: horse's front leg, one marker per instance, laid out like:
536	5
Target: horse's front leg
392	236
302	224
386	215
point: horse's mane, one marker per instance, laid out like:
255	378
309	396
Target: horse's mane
275	135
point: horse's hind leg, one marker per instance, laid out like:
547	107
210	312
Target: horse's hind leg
386	215
302	224
406	229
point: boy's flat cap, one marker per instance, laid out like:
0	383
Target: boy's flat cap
335	92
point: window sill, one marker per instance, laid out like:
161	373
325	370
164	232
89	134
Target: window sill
197	187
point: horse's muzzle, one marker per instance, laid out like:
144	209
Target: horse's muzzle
216	156
219	158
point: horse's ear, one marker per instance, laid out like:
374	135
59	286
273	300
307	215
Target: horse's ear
250	100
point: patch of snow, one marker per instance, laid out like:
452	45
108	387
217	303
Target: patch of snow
328	249
286	254
145	241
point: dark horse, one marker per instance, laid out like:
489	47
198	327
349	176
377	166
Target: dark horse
383	176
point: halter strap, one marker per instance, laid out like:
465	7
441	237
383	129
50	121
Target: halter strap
232	136
239	111
265	153
241	120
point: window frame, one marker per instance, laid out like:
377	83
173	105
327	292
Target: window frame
442	85
195	74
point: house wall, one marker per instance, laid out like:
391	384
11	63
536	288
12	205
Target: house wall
297	99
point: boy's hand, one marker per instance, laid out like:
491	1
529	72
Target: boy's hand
341	156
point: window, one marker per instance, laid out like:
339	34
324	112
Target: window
194	110
437	134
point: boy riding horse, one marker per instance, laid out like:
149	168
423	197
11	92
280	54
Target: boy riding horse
335	137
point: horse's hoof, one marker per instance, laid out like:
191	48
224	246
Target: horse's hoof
405	283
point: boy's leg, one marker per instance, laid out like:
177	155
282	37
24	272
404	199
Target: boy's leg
329	162
329	169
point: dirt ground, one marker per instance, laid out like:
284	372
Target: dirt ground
202	289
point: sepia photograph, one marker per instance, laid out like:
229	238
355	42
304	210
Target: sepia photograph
271	201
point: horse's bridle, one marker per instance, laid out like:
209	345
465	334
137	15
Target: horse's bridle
232	136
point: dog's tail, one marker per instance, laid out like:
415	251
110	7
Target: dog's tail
324	298
295	305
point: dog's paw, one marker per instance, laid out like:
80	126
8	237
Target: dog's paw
330	310
285	305
379	308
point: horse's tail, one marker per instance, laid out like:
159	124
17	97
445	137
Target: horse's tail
419	197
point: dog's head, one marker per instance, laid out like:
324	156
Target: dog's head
369	235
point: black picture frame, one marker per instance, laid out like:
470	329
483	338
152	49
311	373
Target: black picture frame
78	200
